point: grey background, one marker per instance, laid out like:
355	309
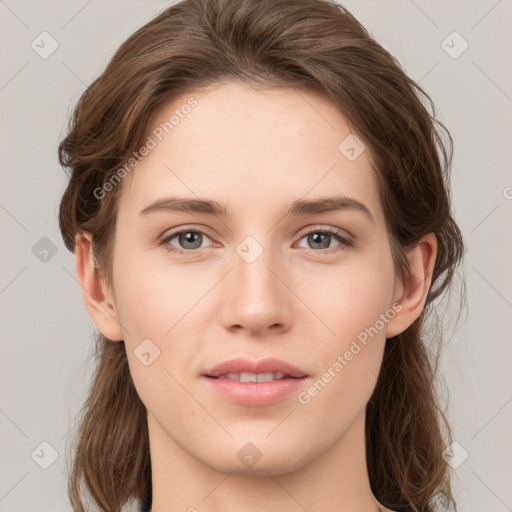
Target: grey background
46	334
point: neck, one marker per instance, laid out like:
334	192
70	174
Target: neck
336	481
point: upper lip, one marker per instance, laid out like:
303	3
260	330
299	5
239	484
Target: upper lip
267	365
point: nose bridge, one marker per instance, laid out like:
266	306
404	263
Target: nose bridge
255	296
252	268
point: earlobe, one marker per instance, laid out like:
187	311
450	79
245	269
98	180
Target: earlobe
96	295
413	293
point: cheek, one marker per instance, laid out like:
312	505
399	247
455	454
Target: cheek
348	300
156	310
162	304
153	301
354	309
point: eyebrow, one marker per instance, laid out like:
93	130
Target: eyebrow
297	207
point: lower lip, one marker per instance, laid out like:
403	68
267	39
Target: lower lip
255	393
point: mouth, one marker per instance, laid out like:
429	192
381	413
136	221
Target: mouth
254	377
246	370
254	383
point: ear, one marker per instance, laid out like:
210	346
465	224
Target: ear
413	293
98	299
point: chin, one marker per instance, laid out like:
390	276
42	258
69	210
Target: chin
260	458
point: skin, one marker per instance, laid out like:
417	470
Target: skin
254	151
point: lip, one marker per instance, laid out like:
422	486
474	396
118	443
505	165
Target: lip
267	365
255	393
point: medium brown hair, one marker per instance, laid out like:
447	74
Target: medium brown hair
310	45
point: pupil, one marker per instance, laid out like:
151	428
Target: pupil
324	236
189	238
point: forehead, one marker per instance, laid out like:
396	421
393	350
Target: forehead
247	147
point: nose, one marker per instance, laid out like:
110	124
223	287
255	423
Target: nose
257	297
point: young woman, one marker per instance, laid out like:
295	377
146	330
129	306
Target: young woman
260	210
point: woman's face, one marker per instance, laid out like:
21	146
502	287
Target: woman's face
263	280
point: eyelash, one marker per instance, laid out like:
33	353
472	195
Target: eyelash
344	241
